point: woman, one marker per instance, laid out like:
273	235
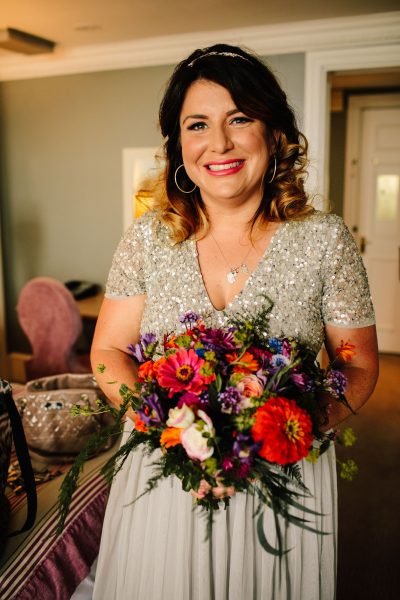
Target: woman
232	225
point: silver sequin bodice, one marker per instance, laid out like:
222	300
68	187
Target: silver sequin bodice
311	271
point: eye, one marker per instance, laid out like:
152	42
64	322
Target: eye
197	126
241	120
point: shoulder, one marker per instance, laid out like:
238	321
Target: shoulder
146	228
320	220
320	226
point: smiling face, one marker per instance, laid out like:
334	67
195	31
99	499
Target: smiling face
225	152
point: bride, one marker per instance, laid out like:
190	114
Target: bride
232	224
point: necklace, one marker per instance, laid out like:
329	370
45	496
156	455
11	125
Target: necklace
234	271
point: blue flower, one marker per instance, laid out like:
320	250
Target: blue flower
278	360
275	344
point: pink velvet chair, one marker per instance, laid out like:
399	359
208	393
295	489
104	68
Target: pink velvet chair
50	318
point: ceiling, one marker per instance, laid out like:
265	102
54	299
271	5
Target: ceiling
76	23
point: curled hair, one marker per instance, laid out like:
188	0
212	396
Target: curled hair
257	94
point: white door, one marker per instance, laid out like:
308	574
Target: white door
377	216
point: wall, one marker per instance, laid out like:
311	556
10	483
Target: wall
61	141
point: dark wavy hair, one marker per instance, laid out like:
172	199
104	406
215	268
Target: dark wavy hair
257	93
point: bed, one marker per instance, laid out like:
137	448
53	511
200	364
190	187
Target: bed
38	564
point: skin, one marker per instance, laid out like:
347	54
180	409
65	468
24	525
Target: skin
214	132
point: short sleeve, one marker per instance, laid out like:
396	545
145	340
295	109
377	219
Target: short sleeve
126	276
346	299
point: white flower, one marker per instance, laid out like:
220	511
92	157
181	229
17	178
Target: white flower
193	440
180	417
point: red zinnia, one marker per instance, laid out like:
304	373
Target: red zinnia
284	429
181	371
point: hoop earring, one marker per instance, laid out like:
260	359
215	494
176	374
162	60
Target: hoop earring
178	186
274	173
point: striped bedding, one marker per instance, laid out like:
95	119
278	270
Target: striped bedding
38	564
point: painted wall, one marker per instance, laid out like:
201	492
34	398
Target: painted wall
61	141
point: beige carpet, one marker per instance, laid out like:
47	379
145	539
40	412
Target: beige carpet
369	507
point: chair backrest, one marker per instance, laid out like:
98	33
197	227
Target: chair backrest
50	318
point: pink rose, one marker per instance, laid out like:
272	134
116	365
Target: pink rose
249	386
180	417
193	440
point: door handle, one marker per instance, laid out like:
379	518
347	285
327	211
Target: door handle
363	243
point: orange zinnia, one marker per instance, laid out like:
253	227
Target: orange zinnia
345	351
171	437
146	371
246	363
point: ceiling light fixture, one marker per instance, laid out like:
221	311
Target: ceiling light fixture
23	42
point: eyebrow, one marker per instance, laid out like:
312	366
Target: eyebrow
228	114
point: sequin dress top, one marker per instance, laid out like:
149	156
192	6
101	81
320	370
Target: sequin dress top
311	271
156	547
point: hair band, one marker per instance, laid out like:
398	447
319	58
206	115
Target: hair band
214	53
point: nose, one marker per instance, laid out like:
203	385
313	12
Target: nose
220	141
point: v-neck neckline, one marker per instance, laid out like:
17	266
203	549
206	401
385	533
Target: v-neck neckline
263	258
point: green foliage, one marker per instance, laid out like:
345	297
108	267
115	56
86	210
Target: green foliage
347	438
349	469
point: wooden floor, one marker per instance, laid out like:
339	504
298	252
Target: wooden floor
369	507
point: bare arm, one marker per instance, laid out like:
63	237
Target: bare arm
361	372
118	325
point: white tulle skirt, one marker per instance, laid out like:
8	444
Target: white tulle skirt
156	548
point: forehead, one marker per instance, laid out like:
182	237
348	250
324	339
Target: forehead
207	97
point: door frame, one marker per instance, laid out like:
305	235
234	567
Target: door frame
318	65
357	104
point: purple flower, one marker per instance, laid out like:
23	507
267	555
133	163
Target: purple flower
151	412
230	400
191	399
337	382
244	448
286	348
139	350
303	382
218	339
189	317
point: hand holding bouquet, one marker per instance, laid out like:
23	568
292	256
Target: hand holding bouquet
231	409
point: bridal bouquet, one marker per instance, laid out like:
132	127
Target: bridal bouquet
229	408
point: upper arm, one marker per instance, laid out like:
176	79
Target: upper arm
118	324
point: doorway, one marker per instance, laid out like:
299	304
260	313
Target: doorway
364	183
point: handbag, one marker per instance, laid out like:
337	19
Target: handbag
11	431
53	434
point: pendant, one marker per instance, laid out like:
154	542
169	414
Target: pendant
244	268
231	276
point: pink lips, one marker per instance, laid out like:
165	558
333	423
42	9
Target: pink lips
227	167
